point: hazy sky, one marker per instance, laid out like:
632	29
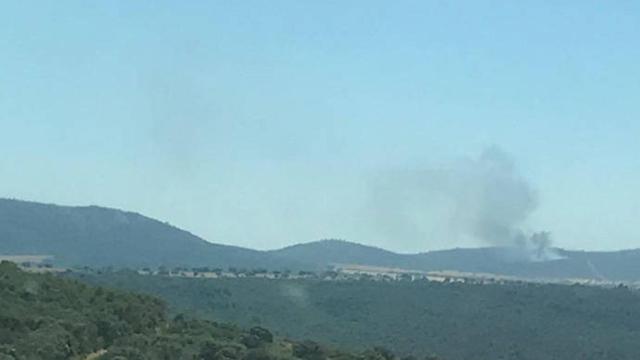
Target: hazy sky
265	123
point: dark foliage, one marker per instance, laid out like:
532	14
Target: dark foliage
44	317
458	321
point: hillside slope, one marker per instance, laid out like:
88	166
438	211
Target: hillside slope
609	266
459	321
612	266
48	318
99	236
326	252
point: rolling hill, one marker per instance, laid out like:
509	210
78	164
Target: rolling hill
611	266
328	252
320	254
97	236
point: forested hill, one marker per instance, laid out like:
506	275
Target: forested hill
610	266
97	236
320	254
44	317
459	321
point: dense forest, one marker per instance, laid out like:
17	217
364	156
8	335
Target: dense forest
44	317
458	321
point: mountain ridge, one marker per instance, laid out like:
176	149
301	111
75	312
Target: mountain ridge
98	236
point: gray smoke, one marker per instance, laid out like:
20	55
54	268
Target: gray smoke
483	198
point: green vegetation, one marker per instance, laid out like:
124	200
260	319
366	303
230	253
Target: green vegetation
458	321
44	317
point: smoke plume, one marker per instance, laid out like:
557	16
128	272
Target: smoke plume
483	198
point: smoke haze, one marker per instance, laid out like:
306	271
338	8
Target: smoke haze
483	199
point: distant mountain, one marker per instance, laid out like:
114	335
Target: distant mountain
323	253
97	236
615	266
606	265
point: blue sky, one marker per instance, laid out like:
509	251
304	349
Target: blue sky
264	123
